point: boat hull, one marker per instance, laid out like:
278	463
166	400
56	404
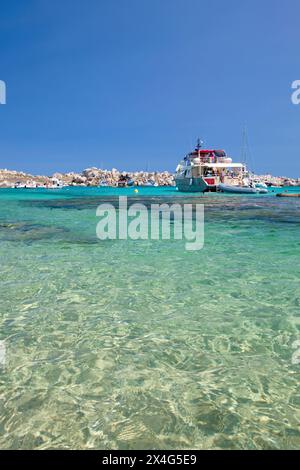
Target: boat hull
262	191
191	185
288	195
236	189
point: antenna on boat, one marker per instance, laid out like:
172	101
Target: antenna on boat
199	144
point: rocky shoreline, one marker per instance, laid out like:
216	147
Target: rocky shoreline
88	177
98	177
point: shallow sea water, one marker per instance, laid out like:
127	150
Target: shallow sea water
142	344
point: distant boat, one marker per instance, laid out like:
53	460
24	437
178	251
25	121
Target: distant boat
260	190
55	184
19	185
258	183
28	185
288	195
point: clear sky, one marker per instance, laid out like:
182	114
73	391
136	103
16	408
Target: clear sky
131	84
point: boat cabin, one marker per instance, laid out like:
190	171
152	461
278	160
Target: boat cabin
214	166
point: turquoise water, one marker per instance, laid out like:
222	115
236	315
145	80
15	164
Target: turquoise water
142	344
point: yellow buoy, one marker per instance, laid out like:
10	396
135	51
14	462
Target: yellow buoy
136	190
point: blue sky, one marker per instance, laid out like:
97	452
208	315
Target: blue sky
131	84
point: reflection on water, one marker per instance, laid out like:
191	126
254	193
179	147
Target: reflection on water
141	344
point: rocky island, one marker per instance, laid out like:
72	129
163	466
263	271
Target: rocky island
88	177
99	177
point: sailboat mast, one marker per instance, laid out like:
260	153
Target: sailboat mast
244	146
245	151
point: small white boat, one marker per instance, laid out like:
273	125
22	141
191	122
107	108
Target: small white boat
55	184
260	185
19	185
27	185
261	190
226	188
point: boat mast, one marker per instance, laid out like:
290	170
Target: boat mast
245	152
244	145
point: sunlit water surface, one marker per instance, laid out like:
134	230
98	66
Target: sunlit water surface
142	344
